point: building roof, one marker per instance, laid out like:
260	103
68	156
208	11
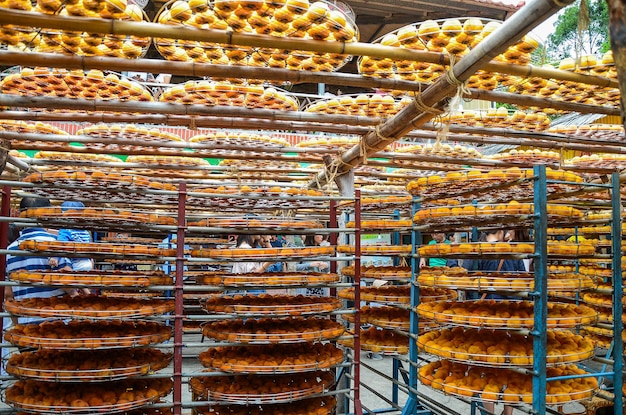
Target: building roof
375	18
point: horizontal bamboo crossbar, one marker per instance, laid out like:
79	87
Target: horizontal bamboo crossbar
426	132
194	69
224	111
155	30
313	155
49	102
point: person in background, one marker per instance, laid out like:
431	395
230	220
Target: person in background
249	242
34	263
298	240
246	242
494	265
76	235
154	88
12	235
313	266
278	241
520	235
122	237
275	241
438	238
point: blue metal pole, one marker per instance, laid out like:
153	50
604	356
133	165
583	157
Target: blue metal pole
410	407
618	292
541	290
396	376
346	217
586	375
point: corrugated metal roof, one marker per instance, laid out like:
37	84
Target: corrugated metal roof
576	118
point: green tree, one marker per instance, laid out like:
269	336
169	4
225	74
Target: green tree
568	41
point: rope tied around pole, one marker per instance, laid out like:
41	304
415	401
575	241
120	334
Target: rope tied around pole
364	148
379	134
461	87
419	104
333	170
317	181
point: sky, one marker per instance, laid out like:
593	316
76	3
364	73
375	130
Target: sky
546	28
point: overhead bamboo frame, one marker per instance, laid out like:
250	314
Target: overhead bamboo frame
125	108
121	164
310	155
277	74
430	104
196	109
49	102
425	132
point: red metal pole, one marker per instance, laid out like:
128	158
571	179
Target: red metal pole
178	298
358	410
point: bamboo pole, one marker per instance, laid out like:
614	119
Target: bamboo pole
56	60
395	159
50	102
404	160
530	101
225	111
192	123
313	155
413	116
276	74
155	149
19	164
518	138
466	134
521	141
556	138
204	168
155	30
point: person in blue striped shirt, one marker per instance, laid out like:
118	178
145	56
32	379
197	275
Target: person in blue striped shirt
76	235
34	263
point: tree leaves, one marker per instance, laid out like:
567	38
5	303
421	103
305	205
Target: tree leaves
594	39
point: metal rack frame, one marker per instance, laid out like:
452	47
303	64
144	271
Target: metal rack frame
178	374
540	299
